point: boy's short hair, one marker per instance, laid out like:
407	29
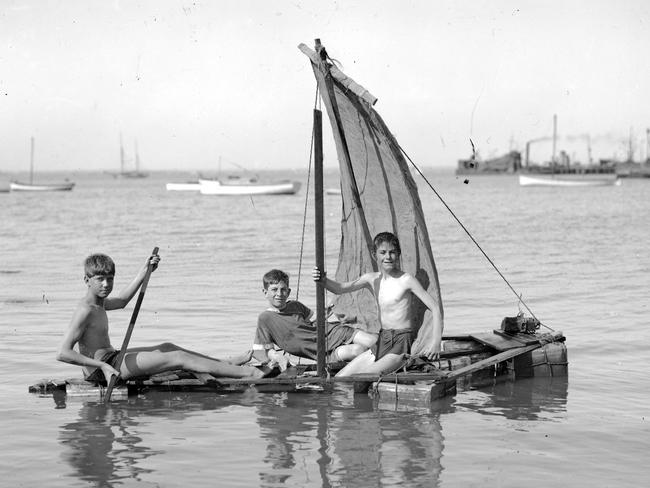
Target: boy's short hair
274	276
388	237
99	264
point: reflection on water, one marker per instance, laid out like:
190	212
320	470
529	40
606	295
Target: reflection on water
348	440
101	447
525	399
327	439
105	444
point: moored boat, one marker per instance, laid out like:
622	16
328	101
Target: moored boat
31	186
576	180
247	187
19	186
187	186
561	172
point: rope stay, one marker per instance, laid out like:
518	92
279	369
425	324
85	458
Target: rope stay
317	106
520	300
304	213
518	295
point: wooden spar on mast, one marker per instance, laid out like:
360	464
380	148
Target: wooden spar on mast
320	59
319	238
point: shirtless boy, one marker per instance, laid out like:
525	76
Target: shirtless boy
287	325
89	330
393	289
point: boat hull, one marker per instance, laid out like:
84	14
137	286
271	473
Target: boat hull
569	180
18	186
216	187
183	186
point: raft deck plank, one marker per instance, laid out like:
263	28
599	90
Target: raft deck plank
500	342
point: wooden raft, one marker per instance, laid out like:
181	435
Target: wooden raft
468	361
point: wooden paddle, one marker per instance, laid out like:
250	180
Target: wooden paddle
129	330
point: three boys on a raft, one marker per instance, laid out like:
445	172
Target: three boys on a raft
284	327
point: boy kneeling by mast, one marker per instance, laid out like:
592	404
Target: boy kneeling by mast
89	329
287	325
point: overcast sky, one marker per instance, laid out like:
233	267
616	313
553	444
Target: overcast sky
193	81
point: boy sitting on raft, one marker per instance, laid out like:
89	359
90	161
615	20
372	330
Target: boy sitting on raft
287	325
393	290
89	329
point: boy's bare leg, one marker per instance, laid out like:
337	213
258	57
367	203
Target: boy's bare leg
241	358
144	361
365	363
347	352
365	339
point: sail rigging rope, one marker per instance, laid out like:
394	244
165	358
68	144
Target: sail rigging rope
518	295
317	106
304	213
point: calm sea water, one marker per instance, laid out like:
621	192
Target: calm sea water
579	257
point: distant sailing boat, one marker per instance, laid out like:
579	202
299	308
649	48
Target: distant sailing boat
124	173
31	186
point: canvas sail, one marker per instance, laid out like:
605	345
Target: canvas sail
378	194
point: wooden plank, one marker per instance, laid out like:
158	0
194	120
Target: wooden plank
390	378
85	389
206	378
524	339
491	361
498	342
420	394
476	348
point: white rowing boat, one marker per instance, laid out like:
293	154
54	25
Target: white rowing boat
18	186
248	187
188	186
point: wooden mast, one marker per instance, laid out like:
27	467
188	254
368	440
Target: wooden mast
320	242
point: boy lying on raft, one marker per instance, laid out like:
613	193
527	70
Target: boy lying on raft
89	329
287	325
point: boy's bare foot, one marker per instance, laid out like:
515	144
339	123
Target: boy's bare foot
268	370
278	358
